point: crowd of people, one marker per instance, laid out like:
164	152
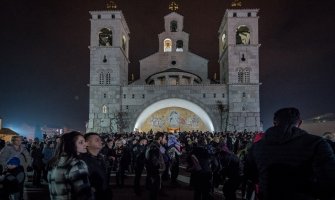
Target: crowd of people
285	162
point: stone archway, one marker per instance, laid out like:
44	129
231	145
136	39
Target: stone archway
174	102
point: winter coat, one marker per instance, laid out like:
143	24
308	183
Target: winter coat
69	180
98	174
37	158
13	182
48	153
199	164
9	151
154	159
291	164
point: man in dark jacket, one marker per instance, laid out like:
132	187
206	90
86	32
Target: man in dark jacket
231	172
155	165
288	163
199	164
98	172
139	160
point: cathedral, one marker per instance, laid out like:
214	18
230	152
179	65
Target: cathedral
173	92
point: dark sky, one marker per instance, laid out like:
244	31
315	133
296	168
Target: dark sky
44	59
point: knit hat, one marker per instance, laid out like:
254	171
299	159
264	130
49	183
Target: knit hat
14	161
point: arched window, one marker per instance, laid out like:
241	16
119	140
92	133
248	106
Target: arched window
105	37
240	76
167	45
108	78
124	42
223	39
246	76
179	46
243	35
173	26
101	78
104	109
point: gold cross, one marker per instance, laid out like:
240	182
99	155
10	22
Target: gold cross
173	6
236	3
111	5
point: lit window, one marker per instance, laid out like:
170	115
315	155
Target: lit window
223	39
167	45
124	41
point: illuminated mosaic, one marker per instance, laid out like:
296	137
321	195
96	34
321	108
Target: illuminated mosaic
173	118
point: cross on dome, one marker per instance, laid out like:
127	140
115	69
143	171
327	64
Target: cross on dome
111	5
173	6
236	3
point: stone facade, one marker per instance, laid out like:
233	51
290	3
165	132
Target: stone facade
174	76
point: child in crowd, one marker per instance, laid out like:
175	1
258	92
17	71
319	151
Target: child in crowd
12	180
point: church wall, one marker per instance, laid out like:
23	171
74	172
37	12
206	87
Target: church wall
251	62
153	93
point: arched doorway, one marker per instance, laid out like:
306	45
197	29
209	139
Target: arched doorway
174	114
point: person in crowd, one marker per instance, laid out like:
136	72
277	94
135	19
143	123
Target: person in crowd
37	163
201	173
231	172
98	172
48	152
155	164
16	149
288	163
139	162
120	164
68	176
12	180
108	152
174	152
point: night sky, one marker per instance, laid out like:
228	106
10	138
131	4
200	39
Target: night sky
44	60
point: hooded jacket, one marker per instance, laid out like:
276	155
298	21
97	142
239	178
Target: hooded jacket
289	163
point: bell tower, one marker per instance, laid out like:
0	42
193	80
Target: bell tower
109	59
239	67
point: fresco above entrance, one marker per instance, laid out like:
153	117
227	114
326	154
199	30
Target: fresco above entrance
172	119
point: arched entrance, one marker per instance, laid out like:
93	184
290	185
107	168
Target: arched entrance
177	106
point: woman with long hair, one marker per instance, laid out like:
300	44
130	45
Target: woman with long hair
68	175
